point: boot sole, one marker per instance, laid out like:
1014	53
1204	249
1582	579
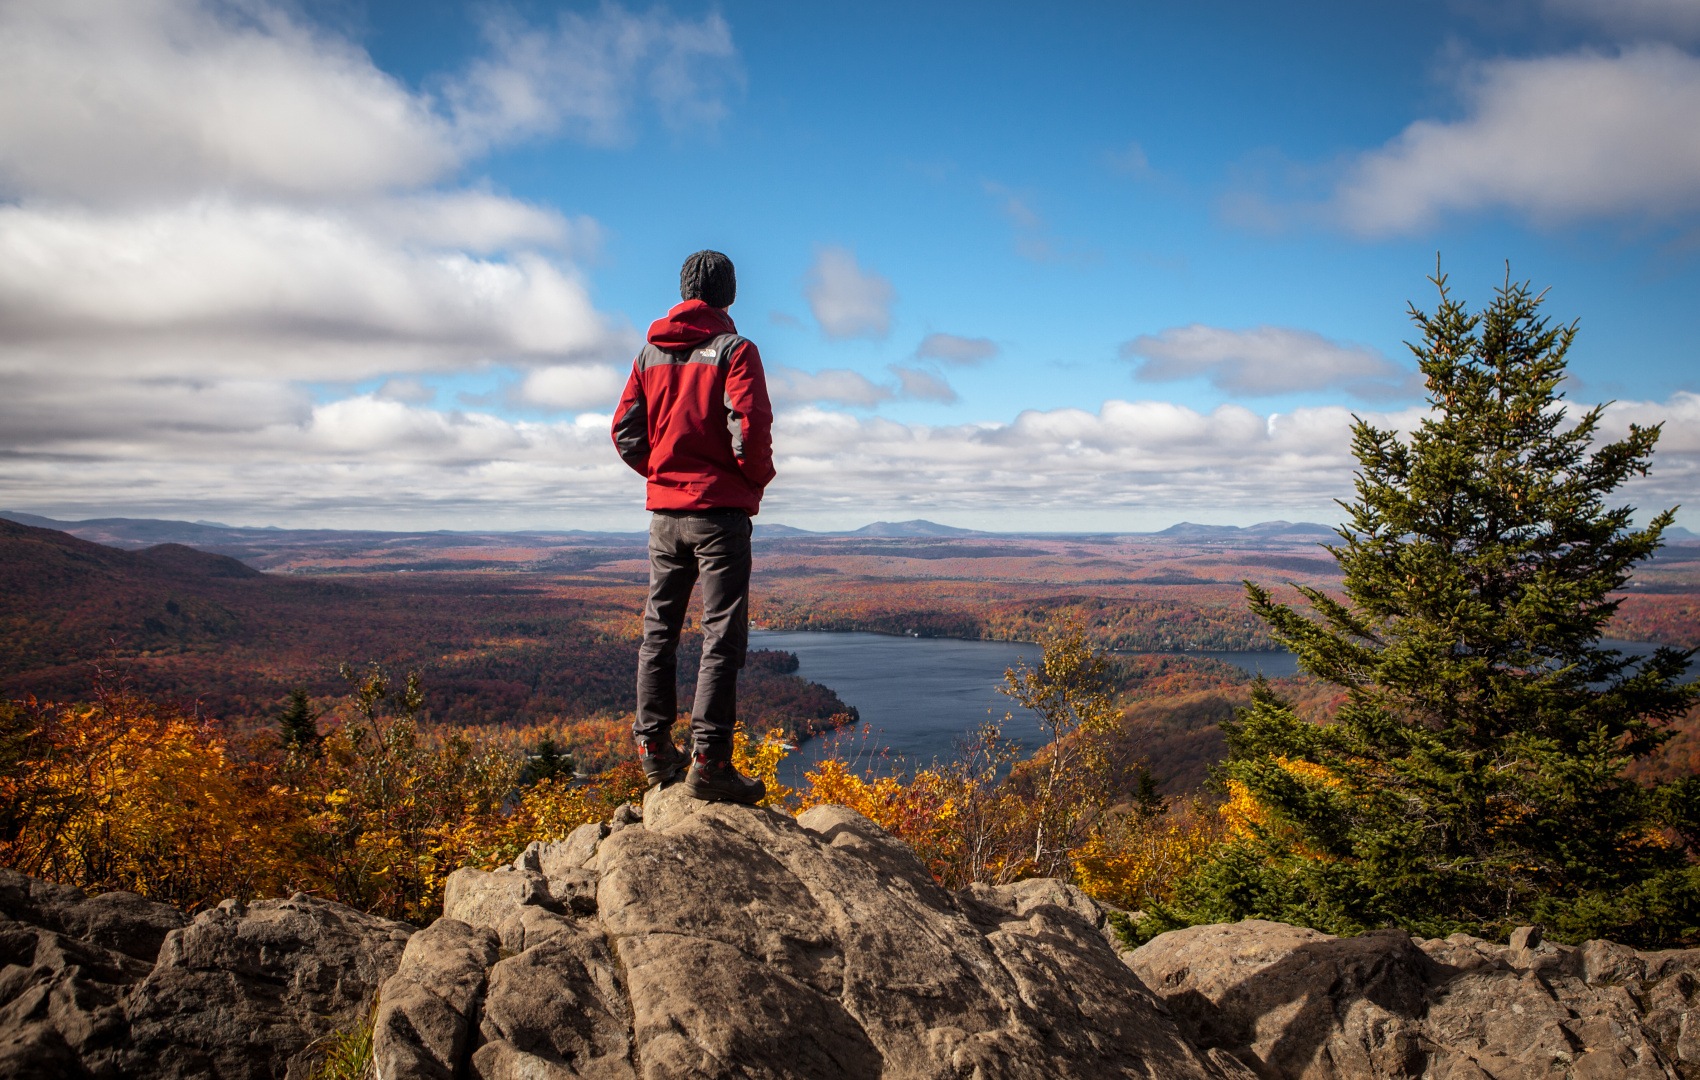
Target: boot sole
670	776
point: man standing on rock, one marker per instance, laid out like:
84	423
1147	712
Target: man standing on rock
695	422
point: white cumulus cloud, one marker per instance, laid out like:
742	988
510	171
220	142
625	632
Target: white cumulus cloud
1588	134
106	100
574	386
848	301
1262	360
217	287
152	98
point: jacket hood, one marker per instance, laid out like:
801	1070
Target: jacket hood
689	324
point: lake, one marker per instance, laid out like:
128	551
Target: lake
919	696
916	696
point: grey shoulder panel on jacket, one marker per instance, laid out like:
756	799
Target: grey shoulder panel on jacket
712	352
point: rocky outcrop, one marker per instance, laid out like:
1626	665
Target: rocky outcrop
730	941
1291	1002
706	940
120	921
245	990
117	986
428	1010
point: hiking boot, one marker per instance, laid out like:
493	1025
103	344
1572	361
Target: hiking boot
662	762
718	781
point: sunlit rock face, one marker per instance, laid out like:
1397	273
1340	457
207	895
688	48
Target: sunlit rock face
731	941
692	939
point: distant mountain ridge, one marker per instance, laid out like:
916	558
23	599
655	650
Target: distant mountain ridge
50	558
1263	530
913	527
63	599
147	532
132	532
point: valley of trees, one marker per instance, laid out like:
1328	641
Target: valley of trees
221	639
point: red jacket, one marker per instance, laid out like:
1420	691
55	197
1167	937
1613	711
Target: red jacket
694	419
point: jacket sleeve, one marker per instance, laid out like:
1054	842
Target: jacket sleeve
631	425
750	415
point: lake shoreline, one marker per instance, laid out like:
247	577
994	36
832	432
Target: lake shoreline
1010	641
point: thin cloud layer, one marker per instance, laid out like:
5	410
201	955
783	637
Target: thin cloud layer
1675	20
834	386
848	301
366	460
918	385
1263	360
1585	135
1033	236
951	349
584	75
841	386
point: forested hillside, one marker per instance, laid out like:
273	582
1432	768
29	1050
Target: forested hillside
207	630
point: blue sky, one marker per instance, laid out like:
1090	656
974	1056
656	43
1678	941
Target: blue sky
1103	267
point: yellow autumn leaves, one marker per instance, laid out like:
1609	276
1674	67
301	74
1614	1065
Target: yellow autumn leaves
378	810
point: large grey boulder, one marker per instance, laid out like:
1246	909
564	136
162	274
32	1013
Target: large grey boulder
728	941
120	921
61	1004
558	1009
484	898
67	962
1291	1002
115	985
244	991
755	945
429	1009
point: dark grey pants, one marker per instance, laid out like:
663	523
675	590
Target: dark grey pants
715	546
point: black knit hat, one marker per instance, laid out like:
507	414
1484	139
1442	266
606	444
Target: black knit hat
708	276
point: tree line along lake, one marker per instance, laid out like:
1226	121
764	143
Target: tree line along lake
918	697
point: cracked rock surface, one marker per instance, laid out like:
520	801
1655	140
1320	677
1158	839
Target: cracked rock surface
697	939
728	941
1291	1002
117	986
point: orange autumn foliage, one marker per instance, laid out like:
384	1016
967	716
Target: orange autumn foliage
923	810
374	806
1133	859
121	794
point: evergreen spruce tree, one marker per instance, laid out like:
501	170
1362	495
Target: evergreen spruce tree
547	762
1474	776
298	724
